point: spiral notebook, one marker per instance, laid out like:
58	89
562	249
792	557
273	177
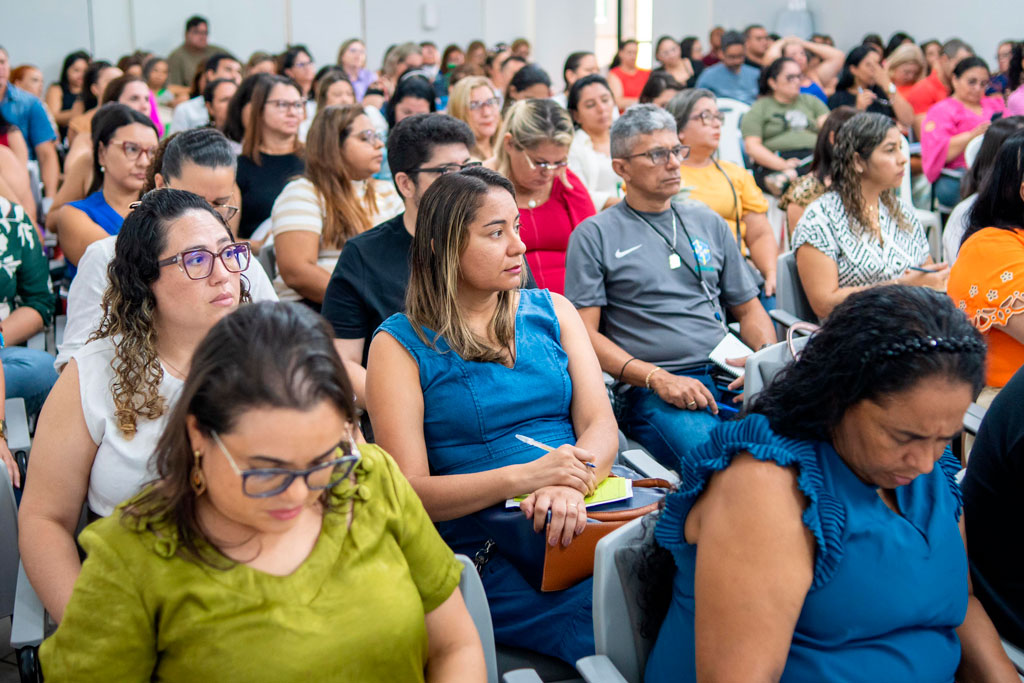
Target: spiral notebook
730	347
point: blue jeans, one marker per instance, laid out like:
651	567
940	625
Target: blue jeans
670	434
28	374
559	623
947	190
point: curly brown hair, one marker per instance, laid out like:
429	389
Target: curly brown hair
129	305
859	137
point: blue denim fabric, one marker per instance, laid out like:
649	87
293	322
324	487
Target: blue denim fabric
670	434
28	374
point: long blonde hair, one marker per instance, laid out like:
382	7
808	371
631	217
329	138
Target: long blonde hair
442	230
531	123
344	215
458	106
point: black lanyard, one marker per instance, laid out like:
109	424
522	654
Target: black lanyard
735	204
696	259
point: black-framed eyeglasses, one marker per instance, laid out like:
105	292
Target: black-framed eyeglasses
271	481
659	155
198	263
447	168
706	117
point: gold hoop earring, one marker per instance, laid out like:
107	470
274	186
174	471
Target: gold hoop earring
197	479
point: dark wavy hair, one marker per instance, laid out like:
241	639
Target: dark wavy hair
110	118
270	354
771	72
895	40
234	127
858	138
1016	71
129	305
995	136
68	63
915	333
999	204
821	165
853	58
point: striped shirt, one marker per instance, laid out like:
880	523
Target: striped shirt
299	207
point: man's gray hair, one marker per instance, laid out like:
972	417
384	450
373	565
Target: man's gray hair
640	119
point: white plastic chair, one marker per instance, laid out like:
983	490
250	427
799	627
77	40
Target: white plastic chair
621	650
730	145
763	365
930	220
789	292
972	149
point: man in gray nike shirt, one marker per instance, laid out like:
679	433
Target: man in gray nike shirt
650	277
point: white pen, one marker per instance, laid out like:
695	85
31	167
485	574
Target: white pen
544	447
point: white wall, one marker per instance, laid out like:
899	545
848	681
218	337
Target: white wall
42	31
48	29
983	24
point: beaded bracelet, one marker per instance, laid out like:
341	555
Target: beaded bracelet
647	380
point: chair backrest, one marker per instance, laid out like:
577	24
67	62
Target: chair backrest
730	145
268	259
8	545
906	190
789	292
763	365
972	149
617	613
473	594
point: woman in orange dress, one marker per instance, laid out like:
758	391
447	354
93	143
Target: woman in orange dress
987	280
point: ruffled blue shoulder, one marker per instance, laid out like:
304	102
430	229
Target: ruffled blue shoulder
950	465
824	516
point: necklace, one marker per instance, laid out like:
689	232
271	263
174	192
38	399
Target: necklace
168	363
532	203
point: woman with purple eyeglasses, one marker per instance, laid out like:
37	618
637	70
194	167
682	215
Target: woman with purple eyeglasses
176	271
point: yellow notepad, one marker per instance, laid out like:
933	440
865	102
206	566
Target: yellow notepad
611	490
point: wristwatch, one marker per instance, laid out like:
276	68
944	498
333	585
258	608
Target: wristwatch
892	88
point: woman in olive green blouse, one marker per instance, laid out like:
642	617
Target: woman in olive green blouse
271	548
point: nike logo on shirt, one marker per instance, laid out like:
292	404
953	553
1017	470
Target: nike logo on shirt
619	253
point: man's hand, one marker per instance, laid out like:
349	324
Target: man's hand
683	392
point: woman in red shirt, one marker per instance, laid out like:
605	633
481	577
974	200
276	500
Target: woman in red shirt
533	153
626	80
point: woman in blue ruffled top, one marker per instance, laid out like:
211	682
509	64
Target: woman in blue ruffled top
821	537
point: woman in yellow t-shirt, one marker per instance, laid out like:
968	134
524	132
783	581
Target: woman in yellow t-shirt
271	547
729	190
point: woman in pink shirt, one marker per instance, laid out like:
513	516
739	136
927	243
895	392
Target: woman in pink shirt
953	122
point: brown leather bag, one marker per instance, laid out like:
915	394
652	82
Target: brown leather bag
565	567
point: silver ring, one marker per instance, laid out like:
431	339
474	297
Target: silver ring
573	505
691	404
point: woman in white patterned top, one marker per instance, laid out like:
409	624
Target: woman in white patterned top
859	234
335	199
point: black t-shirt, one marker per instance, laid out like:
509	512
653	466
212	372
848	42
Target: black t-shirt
369	281
750	62
994	511
261	184
845	98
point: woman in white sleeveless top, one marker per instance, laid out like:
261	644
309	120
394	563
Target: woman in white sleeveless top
176	271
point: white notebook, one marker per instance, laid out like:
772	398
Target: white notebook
730	347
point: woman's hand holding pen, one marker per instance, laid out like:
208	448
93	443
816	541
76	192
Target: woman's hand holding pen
565	466
933	276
